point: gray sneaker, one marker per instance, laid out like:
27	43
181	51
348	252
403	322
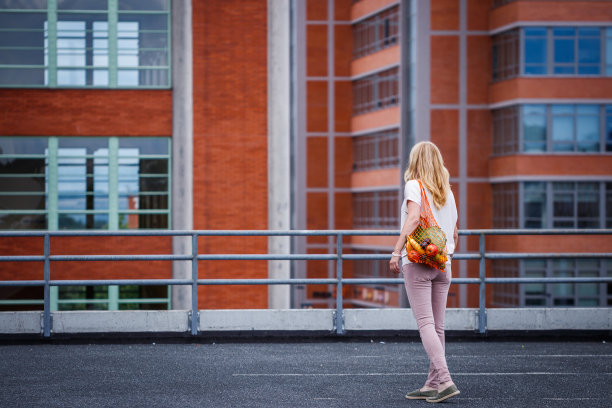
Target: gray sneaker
444	394
418	394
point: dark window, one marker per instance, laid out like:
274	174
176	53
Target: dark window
376	209
505	205
376	150
377	91
506	51
376	33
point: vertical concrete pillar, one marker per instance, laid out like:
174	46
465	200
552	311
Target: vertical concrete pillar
279	145
182	145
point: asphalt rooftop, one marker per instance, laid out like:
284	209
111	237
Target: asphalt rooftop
302	374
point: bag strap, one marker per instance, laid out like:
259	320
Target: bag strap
424	197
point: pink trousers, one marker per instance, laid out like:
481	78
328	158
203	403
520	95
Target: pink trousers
427	290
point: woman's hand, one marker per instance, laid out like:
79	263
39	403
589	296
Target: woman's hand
394	264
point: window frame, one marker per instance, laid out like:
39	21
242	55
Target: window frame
113	13
500	147
52	179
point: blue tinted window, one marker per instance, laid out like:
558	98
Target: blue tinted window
534	128
587	128
608	51
564	44
589	51
608	128
534	47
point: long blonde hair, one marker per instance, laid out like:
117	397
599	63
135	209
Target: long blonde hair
426	164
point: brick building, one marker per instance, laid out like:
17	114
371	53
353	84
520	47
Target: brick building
125	114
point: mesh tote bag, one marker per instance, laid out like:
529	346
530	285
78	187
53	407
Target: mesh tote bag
427	244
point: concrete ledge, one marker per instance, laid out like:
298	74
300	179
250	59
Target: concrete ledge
268	320
575	318
120	321
20	322
304	321
403	319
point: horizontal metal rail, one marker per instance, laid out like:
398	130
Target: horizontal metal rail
339	257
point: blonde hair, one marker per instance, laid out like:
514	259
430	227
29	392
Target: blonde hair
426	164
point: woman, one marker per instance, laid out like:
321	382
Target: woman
427	288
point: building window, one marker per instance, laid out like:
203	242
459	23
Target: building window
563	51
376	33
553	294
77	43
376	209
535	128
376	150
557	204
377	91
505	205
84	183
534	49
127	297
506	57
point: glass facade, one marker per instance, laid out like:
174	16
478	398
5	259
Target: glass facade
94	43
562	128
552	51
84	183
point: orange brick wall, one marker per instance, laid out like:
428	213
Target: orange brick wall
85	112
230	138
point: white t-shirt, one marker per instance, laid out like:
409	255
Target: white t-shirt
446	217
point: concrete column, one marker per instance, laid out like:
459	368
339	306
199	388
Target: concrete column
279	145
182	145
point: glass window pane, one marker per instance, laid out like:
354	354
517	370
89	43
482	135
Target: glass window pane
563	128
23	4
23	21
23	145
143	221
22	166
535	204
143	21
564	50
535	50
82	4
608	129
154	5
23	221
22	76
86	145
563	205
587	133
22	184
22	202
145	145
534	128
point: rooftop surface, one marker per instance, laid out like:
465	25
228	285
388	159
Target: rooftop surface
370	373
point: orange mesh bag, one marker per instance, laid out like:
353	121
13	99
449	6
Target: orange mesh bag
427	244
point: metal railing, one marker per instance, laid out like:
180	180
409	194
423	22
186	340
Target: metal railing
338	257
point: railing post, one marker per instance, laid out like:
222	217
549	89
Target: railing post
195	316
47	290
339	297
482	315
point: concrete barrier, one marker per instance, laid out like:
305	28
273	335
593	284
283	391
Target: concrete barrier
302	320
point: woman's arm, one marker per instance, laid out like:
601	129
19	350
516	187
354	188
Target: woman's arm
456	238
412	220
